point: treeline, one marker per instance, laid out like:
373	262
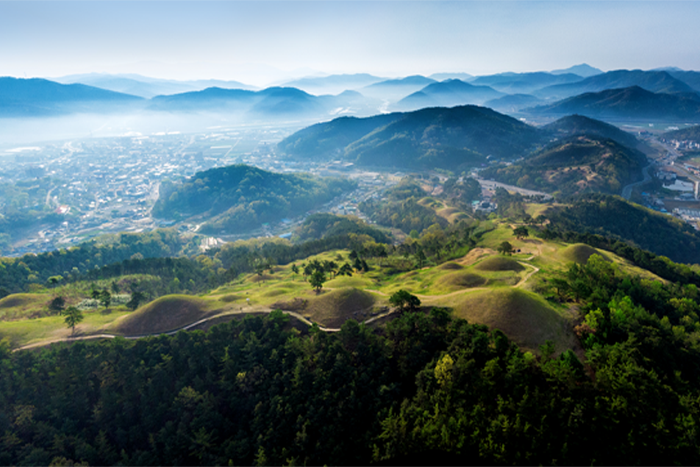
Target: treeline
18	274
168	275
399	209
428	390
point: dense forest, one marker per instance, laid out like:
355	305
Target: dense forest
427	389
399	208
578	164
22	273
243	197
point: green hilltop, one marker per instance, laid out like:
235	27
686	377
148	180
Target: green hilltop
239	198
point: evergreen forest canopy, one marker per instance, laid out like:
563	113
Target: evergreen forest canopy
240	198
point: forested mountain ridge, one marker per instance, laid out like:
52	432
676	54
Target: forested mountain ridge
634	103
427	138
653	81
577	164
572	125
240	197
614	217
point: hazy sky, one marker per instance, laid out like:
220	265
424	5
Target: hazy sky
259	42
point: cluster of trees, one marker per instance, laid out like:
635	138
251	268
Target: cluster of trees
243	197
399	209
463	192
316	271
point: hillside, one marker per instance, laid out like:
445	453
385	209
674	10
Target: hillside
39	97
428	138
632	103
574	165
328	140
685	134
240	198
573	125
654	81
513	102
448	93
614	217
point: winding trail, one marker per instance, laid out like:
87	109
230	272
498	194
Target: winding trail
268	311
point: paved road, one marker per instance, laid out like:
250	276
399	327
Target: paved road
627	191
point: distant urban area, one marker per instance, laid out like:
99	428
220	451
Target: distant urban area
110	184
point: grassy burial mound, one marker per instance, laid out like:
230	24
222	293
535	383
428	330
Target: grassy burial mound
450	266
164	314
579	253
524	317
23	305
464	280
333	308
499	263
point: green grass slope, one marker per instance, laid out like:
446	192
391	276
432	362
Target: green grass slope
579	253
524	317
164	314
499	263
332	308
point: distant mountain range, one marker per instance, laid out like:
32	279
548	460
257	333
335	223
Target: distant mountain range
39	97
147	87
270	103
334	84
654	81
632	103
447	94
583	69
395	89
665	94
524	83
